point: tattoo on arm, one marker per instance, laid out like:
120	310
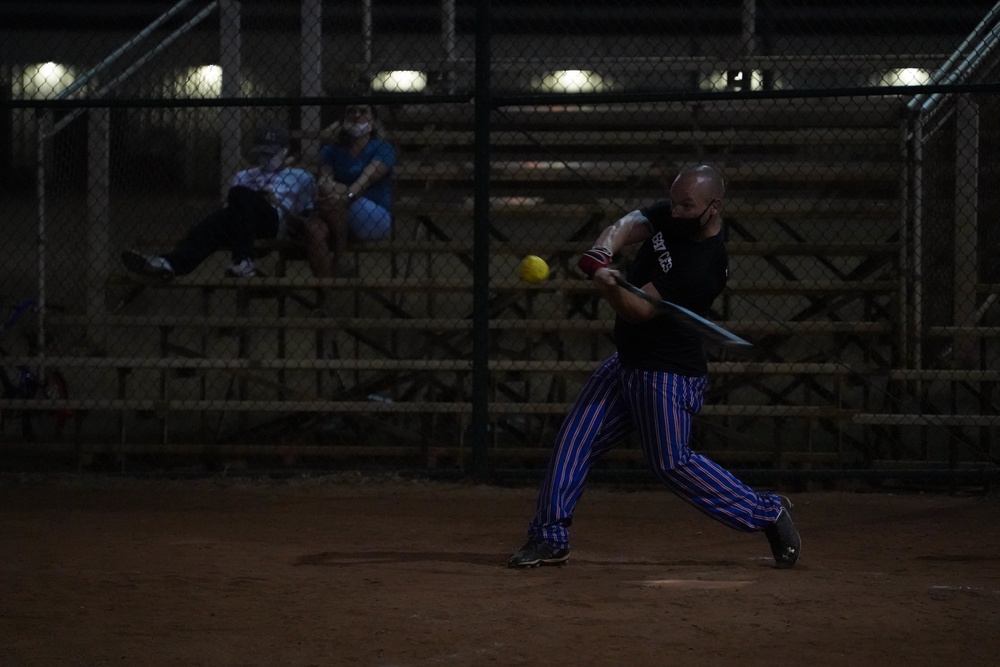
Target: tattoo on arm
631	228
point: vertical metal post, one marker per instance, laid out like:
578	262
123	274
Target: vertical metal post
232	78
448	41
98	215
907	144
903	233
749	22
6	116
901	355
44	132
917	248
312	76
915	325
966	224
367	34
481	249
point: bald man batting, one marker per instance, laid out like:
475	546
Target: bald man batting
654	384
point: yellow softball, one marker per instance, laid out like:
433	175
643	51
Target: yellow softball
533	269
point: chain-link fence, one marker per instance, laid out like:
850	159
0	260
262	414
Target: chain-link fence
387	327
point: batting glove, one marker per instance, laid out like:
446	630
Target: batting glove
596	258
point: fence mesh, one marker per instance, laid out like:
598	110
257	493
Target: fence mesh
854	139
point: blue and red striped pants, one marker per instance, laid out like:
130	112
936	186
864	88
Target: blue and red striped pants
618	401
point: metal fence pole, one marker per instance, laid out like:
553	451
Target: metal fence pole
917	246
98	214
366	35
966	263
448	18
312	75
231	63
44	133
481	248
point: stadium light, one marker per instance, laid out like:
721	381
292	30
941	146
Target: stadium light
43	80
399	81
571	81
736	80
905	76
199	82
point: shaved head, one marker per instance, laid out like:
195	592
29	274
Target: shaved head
698	192
706	179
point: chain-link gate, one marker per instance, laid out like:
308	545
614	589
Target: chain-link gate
854	139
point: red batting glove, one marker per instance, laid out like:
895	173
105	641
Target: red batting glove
596	258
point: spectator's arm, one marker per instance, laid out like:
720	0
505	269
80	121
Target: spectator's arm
372	172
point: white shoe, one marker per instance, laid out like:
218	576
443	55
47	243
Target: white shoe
245	268
147	265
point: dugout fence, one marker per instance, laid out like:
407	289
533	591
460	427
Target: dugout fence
861	227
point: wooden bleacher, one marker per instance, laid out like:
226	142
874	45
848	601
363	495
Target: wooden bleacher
813	208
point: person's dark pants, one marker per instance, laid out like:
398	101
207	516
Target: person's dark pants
246	217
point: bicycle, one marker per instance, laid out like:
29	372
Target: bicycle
29	383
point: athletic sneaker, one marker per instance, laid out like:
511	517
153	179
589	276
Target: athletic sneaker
245	268
535	553
148	265
784	537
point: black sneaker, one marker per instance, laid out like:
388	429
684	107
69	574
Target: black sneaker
784	537
535	553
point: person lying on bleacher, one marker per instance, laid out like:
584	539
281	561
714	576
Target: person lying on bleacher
355	191
262	202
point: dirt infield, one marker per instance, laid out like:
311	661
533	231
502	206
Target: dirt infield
389	572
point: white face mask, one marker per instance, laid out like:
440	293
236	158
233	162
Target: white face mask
358	130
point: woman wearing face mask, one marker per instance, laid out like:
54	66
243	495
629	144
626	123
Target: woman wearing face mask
260	203
355	191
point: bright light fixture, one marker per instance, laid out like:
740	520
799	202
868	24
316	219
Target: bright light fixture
43	80
199	82
571	81
399	81
735	80
906	76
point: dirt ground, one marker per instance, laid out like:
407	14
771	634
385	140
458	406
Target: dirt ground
351	571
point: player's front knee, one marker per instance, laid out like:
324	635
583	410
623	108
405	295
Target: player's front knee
666	468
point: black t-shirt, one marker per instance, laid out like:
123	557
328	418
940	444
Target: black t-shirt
689	273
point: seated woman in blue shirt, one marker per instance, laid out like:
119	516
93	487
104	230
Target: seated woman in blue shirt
354	191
